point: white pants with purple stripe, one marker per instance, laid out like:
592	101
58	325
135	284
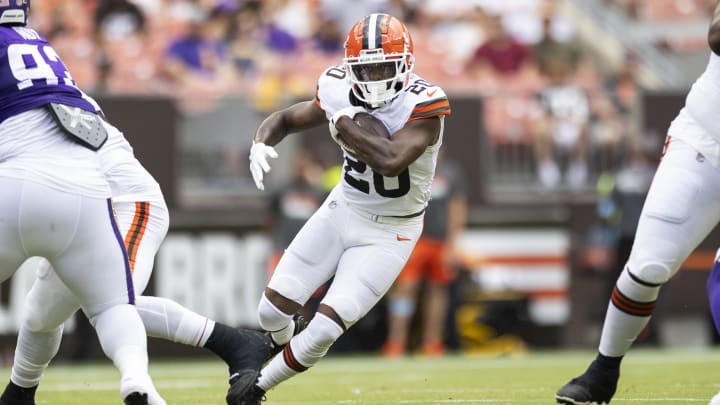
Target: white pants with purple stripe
76	234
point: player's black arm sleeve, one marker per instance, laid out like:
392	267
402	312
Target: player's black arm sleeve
714	31
297	117
390	156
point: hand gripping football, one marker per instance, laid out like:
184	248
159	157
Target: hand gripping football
371	123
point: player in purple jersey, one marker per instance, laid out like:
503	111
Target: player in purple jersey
50	302
55	203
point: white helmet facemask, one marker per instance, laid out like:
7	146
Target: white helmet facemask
378	78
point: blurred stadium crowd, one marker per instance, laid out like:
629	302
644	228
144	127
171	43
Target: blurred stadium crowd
545	86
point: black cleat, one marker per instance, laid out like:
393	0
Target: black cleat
300	325
136	398
252	349
596	385
254	396
241	384
17	395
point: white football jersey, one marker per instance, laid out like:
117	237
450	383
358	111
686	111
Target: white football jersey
409	192
703	100
129	181
34	148
697	122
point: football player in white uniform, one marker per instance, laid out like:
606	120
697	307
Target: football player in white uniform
143	221
55	201
366	229
682	207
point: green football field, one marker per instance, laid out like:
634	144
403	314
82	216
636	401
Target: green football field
648	377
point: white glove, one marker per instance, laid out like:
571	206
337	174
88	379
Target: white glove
349	112
259	153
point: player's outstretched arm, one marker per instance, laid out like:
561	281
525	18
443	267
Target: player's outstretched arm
714	31
390	156
297	117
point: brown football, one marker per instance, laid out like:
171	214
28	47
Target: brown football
366	120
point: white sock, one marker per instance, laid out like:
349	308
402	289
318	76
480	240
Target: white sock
33	353
166	319
628	313
305	350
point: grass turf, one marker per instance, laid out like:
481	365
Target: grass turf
648	377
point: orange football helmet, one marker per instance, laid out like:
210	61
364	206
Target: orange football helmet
378	58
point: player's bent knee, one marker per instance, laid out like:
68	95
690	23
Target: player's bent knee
652	273
291	288
346	308
270	317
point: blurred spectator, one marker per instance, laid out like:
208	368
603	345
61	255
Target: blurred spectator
328	39
293	17
291	206
608	132
199	61
247	38
500	53
70	25
455	31
116	19
623	85
612	118
560	127
347	12
431	267
553	46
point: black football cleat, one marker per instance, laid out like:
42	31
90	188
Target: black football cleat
252	349
596	385
241	384
254	396
17	395
136	398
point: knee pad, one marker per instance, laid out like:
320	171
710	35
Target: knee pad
347	309
270	317
653	273
290	287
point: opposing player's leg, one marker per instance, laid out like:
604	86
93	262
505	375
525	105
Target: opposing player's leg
107	296
679	212
48	304
12	255
713	291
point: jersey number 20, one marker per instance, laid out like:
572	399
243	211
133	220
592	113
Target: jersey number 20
403	186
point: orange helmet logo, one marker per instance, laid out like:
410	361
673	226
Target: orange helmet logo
379	58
